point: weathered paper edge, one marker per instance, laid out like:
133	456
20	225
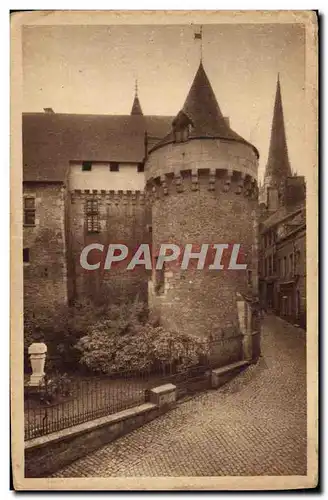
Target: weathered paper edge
307	18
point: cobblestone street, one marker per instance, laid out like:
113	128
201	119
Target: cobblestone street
254	425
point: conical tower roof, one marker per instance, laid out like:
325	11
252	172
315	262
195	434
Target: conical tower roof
278	166
204	113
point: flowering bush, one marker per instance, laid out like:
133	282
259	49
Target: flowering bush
110	338
124	342
60	330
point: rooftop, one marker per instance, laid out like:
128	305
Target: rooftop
202	111
52	140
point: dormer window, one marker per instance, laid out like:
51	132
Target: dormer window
114	166
86	166
181	135
181	127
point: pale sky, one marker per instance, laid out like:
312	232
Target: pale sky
92	69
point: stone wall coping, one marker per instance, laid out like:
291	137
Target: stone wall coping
37	348
55	437
228	368
162	389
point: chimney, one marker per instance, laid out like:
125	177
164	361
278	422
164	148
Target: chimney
48	110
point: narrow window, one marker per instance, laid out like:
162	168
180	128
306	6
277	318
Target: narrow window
141	167
291	264
114	166
159	279
86	166
249	277
297	261
26	255
29	211
92	215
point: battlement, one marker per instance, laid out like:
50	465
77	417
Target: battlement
198	154
215	180
109	197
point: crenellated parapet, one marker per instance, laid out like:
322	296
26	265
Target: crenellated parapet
109	197
218	181
211	154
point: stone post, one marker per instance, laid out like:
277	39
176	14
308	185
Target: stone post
245	318
164	396
37	352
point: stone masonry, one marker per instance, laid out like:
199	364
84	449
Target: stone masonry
123	219
45	275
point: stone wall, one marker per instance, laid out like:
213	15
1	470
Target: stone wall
202	153
100	177
195	201
123	219
45	275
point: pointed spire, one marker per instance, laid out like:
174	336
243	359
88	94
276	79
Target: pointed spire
278	166
136	107
202	112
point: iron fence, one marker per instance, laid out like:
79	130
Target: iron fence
64	402
54	406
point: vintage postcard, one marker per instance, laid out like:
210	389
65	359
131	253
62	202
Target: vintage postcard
164	278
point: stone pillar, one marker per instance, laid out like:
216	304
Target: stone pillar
164	396
245	325
37	352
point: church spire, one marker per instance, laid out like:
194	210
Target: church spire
278	166
136	107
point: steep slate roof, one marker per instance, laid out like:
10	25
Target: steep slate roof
280	215
204	113
51	140
278	166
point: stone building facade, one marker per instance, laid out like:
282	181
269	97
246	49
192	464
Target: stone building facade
84	182
135	179
282	256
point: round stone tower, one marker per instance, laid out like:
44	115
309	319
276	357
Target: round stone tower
202	183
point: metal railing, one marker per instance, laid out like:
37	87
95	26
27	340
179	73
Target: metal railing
64	402
54	406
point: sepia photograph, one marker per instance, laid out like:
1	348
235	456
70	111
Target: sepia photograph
164	275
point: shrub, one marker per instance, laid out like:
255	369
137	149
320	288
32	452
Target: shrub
124	343
60	329
57	387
